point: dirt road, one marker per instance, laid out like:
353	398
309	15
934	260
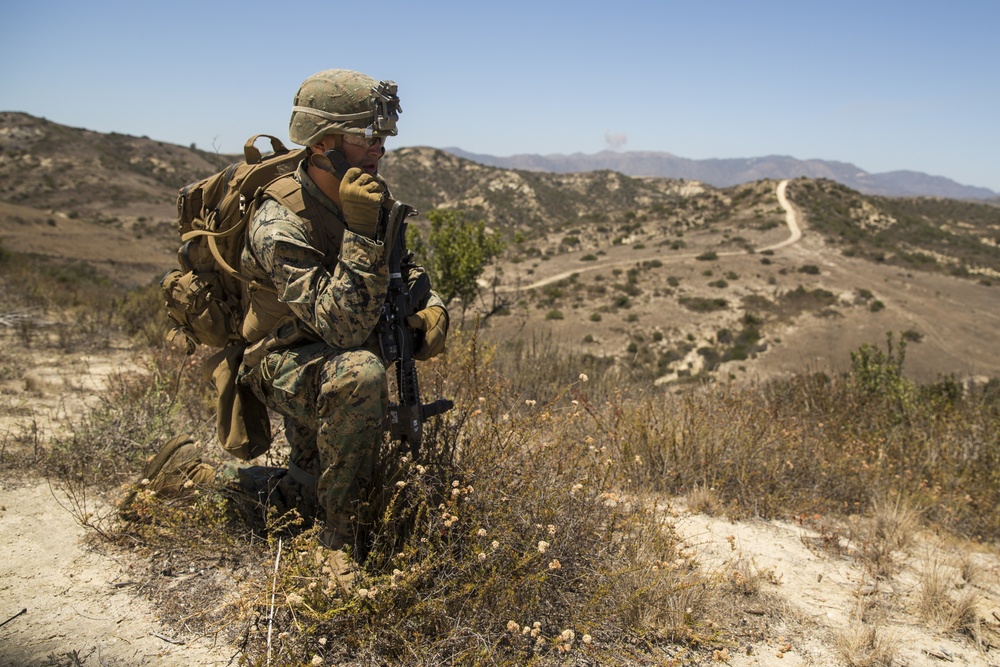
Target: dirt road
794	235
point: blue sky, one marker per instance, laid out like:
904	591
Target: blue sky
884	85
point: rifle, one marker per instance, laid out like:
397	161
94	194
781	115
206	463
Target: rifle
407	416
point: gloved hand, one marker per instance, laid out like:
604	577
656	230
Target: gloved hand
433	322
360	198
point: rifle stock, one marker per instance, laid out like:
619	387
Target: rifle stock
407	415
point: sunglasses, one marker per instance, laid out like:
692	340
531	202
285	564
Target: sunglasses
363	142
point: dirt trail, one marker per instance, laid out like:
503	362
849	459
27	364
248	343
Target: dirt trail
791	219
794	235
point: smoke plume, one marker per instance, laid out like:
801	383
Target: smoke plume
615	140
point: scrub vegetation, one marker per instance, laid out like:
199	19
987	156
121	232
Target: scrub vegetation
534	526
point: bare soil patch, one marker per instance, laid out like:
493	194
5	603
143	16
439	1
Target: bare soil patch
828	596
80	605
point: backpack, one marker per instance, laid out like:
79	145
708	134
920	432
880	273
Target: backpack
206	297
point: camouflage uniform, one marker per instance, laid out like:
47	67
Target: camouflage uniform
320	366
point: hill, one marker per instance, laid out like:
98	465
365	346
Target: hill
666	279
734	171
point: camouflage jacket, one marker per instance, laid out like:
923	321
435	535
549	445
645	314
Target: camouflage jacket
330	279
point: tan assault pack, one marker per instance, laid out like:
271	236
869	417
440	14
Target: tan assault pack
206	297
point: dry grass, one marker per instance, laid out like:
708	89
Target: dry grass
703	500
889	532
815	445
946	602
526	531
867	645
510	540
745	577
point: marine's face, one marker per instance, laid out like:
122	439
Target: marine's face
364	153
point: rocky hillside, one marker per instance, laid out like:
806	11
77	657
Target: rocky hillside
120	179
89	174
126	182
513	199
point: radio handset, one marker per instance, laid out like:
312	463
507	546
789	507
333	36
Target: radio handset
332	161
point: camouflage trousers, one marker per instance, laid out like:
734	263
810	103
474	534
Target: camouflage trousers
334	403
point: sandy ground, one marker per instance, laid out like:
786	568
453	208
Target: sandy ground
828	593
61	601
78	606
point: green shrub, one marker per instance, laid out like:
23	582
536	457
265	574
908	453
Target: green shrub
702	305
621	301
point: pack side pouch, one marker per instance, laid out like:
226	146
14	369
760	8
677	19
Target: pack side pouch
194	308
241	420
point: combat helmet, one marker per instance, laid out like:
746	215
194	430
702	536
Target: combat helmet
344	102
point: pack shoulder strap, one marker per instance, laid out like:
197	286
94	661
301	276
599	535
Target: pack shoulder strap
289	193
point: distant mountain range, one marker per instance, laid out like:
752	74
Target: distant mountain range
734	171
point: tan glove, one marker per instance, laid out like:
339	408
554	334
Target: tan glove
360	198
433	321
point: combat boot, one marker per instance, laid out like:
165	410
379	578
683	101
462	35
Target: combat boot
337	536
172	472
176	468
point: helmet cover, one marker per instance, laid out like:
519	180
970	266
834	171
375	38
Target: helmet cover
341	101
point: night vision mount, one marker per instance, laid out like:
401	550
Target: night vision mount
385	109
